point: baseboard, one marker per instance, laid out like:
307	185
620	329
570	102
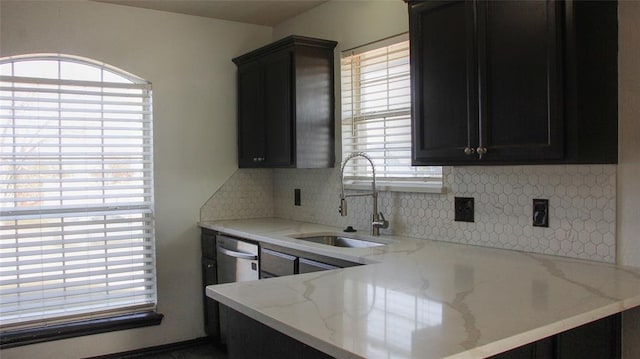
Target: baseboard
157	349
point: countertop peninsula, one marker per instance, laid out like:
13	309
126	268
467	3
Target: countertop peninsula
420	298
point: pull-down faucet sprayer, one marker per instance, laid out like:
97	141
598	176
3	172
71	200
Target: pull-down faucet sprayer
377	219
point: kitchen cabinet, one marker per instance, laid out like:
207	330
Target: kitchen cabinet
277	261
308	266
209	277
242	336
599	339
595	340
248	338
516	82
276	264
542	349
286	104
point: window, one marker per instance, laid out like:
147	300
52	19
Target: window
76	202
376	116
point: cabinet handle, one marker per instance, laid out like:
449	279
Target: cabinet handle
481	151
209	266
468	151
241	255
255	159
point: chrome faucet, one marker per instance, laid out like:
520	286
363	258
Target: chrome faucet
377	219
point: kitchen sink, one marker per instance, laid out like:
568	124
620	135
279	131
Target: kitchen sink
341	240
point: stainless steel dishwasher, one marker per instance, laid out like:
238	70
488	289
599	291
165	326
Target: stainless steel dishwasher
237	260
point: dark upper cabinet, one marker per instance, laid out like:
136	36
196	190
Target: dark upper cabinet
286	104
506	82
278	98
520	82
443	69
251	124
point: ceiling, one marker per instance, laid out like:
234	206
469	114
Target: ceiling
260	12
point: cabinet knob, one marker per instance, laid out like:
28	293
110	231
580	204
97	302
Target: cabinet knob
255	159
481	151
469	151
209	266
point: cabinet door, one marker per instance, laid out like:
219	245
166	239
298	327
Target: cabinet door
251	120
278	95
276	264
444	95
542	349
308	266
208	243
520	80
598	339
248	338
211	316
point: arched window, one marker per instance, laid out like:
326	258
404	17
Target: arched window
76	191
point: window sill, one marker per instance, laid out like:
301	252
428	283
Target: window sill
436	188
14	338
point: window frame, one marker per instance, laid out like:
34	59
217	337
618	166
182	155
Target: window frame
428	179
108	317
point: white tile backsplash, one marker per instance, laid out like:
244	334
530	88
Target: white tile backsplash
248	193
582	200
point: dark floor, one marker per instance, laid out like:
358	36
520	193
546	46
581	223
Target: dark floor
198	351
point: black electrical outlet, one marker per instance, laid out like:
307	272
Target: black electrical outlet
541	213
464	209
296	197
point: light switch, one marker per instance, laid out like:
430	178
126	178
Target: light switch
541	213
296	197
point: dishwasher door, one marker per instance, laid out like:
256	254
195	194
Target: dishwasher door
237	260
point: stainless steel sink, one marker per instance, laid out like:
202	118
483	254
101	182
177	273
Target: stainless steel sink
338	240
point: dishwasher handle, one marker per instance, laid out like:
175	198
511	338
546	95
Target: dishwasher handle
235	254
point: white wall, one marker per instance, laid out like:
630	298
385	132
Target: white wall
188	61
629	158
351	23
629	130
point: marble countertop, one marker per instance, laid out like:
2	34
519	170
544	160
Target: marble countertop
419	298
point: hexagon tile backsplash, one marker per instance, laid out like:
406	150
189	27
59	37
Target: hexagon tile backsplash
248	193
582	201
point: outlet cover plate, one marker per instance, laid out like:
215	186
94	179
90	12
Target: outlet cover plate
540	213
464	209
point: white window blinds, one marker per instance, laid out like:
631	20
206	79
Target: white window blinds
76	203
376	113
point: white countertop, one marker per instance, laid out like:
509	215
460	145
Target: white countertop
423	298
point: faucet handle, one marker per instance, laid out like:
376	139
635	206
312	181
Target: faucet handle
342	209
381	222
